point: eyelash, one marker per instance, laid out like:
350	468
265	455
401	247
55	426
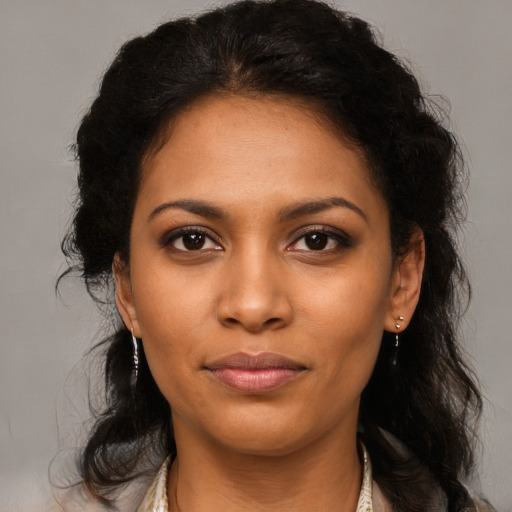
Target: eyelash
342	239
175	235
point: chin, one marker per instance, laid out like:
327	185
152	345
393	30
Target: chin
279	434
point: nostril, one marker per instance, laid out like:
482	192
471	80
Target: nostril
253	325
253	312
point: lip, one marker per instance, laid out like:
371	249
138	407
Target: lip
258	373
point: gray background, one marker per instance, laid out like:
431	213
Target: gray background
51	55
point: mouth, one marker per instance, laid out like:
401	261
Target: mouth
254	374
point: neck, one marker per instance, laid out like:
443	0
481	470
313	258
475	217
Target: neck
325	475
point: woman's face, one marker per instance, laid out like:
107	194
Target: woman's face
261	275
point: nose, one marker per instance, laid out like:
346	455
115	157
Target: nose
254	294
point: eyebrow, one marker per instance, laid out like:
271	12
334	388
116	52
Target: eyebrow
311	207
205	209
202	208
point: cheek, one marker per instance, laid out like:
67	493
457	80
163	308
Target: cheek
346	301
345	319
171	318
170	302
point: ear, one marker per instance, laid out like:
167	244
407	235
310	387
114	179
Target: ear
406	284
124	297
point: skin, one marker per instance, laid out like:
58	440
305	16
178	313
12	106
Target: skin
256	286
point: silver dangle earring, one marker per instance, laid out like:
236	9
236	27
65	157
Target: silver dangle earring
135	368
397	342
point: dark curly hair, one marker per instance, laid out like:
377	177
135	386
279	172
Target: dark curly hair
303	49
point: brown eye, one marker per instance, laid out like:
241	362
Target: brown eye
193	241
321	240
316	241
187	241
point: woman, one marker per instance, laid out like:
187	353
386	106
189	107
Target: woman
276	202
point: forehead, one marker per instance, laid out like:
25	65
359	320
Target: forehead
234	148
